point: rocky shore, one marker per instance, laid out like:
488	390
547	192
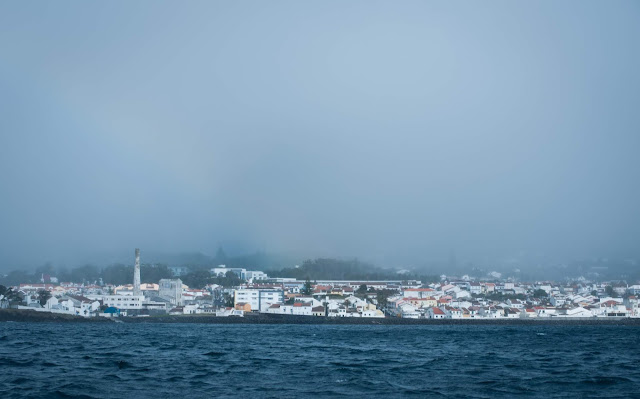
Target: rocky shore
32	316
36	317
291	319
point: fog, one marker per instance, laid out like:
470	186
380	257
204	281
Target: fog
396	132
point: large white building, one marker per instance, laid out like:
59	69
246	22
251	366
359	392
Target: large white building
244	274
122	302
259	299
253	275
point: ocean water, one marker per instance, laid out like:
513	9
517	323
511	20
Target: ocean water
122	360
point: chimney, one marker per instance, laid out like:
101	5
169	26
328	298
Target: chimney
136	274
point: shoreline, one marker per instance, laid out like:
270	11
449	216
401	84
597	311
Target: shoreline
29	316
32	316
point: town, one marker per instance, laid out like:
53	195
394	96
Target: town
254	292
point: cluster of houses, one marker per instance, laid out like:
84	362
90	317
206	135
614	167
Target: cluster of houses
448	299
339	304
471	300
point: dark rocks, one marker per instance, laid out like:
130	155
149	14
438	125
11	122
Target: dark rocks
291	319
25	315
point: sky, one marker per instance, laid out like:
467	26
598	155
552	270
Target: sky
396	132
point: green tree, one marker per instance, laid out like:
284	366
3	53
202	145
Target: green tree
362	290
307	288
117	274
609	290
382	297
230	279
539	293
154	273
228	300
13	296
594	293
85	274
197	279
43	296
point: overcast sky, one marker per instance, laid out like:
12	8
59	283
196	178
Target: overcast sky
392	131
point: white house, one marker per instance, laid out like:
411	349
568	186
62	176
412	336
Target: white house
435	313
451	312
408	311
577	312
544	311
372	313
475	288
558	300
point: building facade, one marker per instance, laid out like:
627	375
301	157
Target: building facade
259	299
171	289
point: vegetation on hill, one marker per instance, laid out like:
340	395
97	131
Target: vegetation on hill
117	274
200	278
199	266
337	269
326	269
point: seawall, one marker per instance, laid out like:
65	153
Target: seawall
32	316
291	319
25	315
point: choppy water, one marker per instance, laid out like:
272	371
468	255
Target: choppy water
287	361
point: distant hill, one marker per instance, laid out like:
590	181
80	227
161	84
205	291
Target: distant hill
336	269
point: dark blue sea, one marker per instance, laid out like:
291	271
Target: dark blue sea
88	360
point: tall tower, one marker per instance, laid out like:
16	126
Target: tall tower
136	274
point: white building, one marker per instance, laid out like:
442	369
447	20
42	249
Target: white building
259	299
475	288
558	300
222	270
243	274
435	313
253	275
577	312
122	302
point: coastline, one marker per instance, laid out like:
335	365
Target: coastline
30	316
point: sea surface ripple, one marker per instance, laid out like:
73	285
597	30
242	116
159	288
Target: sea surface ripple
286	361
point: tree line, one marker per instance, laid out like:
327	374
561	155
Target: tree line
352	269
117	274
200	278
199	275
